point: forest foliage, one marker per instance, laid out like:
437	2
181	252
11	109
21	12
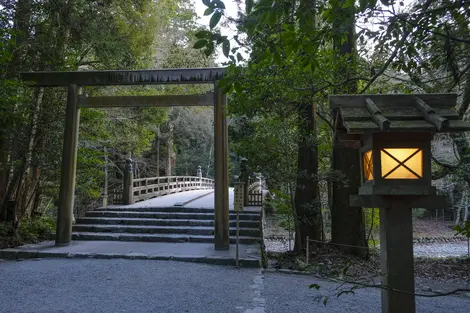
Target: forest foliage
302	51
64	35
283	60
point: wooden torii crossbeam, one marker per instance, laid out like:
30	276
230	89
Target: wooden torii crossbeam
75	80
126	77
146	101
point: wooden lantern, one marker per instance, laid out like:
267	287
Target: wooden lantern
393	134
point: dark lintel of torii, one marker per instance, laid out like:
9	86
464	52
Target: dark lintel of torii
146	101
125	77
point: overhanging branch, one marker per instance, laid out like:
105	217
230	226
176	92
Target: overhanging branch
387	63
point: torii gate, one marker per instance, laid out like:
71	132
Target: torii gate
75	101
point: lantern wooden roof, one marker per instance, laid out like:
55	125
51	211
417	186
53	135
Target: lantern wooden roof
359	114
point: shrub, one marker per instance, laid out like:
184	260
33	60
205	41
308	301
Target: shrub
463	229
30	230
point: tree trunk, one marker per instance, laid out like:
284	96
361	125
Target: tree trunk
347	222
22	24
307	204
31	175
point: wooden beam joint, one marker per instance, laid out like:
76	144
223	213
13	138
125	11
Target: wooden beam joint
430	115
377	116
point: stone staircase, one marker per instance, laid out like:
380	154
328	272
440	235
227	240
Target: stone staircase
165	224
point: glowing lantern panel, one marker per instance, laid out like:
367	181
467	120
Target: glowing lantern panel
367	165
401	163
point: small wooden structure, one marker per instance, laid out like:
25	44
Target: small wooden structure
393	133
75	101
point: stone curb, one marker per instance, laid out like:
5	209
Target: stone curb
288	271
430	240
15	254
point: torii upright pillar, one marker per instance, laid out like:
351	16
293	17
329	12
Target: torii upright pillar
69	168
221	205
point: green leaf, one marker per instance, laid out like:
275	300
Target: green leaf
316	286
208	11
239	57
226	47
203	34
238	87
200	44
215	19
209	49
363	4
206	2
248	6
224	82
220	39
271	18
218	4
277	58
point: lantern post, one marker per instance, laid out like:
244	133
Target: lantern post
393	134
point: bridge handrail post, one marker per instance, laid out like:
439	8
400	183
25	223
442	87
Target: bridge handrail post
199	175
128	190
158	192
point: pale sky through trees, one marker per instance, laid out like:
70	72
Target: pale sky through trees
231	9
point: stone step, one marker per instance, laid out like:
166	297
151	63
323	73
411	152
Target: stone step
168	215
156	237
164	209
159	222
139	229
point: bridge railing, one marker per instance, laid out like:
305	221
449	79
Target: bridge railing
135	190
147	188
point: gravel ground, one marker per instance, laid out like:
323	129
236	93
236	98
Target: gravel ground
278	245
276	238
441	250
435	250
73	285
297	298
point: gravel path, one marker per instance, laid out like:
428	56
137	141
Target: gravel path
73	285
441	250
435	250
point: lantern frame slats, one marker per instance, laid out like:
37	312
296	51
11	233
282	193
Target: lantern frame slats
430	114
360	114
436	101
395	114
377	116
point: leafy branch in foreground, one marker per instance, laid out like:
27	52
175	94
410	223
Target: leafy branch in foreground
342	289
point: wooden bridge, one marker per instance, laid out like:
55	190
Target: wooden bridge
140	189
169	209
